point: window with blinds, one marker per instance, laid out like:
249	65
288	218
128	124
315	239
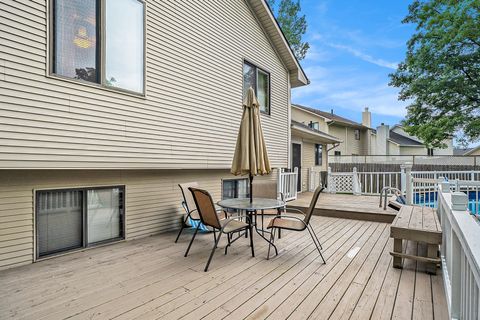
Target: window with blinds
77	218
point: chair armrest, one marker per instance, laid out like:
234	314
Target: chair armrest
233	219
290	217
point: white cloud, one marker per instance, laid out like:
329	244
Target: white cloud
349	90
365	57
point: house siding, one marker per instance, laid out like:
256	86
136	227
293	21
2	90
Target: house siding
185	124
413	151
305	118
188	118
152	201
349	145
308	161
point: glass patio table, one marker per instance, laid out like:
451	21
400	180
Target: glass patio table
251	209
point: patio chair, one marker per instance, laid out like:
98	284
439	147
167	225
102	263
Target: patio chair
190	208
268	190
294	223
209	217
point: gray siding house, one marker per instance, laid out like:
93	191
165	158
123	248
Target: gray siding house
106	105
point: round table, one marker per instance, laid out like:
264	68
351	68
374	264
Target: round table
256	204
251	208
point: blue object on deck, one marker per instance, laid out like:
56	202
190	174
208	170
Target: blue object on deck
195	223
401	199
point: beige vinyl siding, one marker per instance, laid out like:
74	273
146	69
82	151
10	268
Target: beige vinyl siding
413	151
188	118
349	145
308	161
393	149
153	201
305	118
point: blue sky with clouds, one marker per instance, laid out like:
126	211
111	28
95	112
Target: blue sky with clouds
354	45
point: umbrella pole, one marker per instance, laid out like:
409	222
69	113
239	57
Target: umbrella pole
251	189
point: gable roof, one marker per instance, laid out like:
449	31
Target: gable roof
332	117
325	137
469	151
463	151
279	41
404	141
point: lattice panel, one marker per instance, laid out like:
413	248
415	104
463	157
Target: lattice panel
341	183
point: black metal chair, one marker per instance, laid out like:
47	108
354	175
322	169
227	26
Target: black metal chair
294	223
209	217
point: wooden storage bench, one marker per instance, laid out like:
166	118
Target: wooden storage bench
419	224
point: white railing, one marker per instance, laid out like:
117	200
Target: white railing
402	159
450	175
420	187
372	183
287	184
343	182
460	252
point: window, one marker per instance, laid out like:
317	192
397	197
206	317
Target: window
337	153
430	152
77	218
314	125
235	188
259	80
357	134
79	52
318	154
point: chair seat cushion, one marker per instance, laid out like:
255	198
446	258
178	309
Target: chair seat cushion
268	212
233	225
286	223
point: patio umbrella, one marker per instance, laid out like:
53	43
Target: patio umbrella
251	155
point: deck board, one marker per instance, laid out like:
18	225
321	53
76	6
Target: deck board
346	206
149	279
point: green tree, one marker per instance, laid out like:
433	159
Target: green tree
292	24
440	76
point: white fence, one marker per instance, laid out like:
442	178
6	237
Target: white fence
460	255
372	183
287	183
402	159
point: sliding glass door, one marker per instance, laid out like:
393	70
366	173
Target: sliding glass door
104	214
72	219
59	221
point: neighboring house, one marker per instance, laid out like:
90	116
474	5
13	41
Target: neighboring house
96	132
360	139
475	151
354	137
396	141
309	150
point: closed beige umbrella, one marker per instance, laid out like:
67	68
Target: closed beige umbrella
251	155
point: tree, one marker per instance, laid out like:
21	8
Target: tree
440	76
292	24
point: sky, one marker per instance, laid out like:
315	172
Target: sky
354	46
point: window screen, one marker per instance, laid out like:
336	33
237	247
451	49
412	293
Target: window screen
75	42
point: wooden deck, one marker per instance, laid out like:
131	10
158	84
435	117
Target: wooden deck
150	279
346	206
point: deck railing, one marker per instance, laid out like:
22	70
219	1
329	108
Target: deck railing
420	187
372	183
402	159
287	183
460	254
